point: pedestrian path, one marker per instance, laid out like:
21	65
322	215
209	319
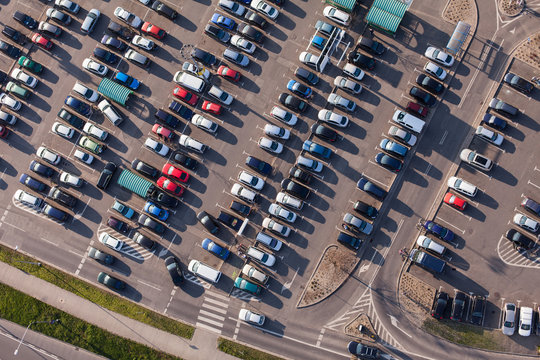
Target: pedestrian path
213	312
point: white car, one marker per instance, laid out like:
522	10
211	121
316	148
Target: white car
435	70
10	102
489	135
243	44
347	85
243	193
236	57
71	179
143	43
526	222
110	112
261	256
84	157
232	7
95	131
8	118
86	92
203	123
289	200
332	118
127	17
337	15
402	135
157	147
63	130
251	180
270	145
309	164
264	8
220	95
95	67
111	241
429	244
462	186
282	213
341	102
68	5
49	156
308	58
353	71
509	324
23	77
199	71
192	144
525	321
475	159
251	317
276	227
276	131
284	116
439	56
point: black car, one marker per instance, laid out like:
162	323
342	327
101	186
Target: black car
477	310
41	169
163	199
117	224
494	121
150	223
369	187
361	60
300	175
164	10
423	96
306	76
324	132
250	32
32	183
9	49
363	351
231	221
14	35
365	209
167	118
240	208
439	305
294	188
520	240
531	206
113	43
62	197
255	19
458	305
145	169
71	119
278	2
100	256
24	19
207	221
518	83
203	56
215	32
144	241
292	102
3	76
175	271
349	240
430	84
371	45
105	56
258	165
181	110
184	160
106	175
120	30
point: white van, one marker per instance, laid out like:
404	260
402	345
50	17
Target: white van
253	273
243	193
27	198
269	241
462	186
189	81
202	270
408	121
290	201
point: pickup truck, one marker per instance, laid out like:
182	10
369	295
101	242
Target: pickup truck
427	261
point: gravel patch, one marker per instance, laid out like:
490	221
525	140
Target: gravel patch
529	50
351	329
461	10
415	297
511	7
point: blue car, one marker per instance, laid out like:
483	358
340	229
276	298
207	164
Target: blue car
258	165
223	21
32	183
105	55
79	106
317	149
41	169
369	187
123	209
439	231
127	80
318	42
215	249
299	89
393	147
156	211
388	162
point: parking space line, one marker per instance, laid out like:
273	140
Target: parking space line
455	227
48	241
533	184
373	179
443	137
149	285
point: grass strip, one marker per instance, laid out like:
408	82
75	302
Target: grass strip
94	294
463	334
244	352
22	309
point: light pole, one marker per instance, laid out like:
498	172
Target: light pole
32	323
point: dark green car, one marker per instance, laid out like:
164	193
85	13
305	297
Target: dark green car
111	282
17	90
30	64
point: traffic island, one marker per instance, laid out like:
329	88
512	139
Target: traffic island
460	10
415	297
511	7
528	51
361	328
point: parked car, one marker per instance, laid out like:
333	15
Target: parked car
175	271
489	135
144	241
361	60
475	159
455	201
393	148
123	209
525	321
150	223
349	240
231	221
240	208
462	186
306	76
358	224
509	320
32	183
208	222
365	185
347	85
526	222
260	166
458	305
439	56
316	149
336	15
298	174
365	209
429	84
494	121
219	251
439	231
423	96
101	256
531	206
439	306
25	20
156	211
295	188
435	71
14	35
477	310
503	107
353	71
371	45
117	224
283	116
251	317
363	351
324	132
110	281
517	82
520	240
255	19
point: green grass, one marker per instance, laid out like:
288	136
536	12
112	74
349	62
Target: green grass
463	334
243	352
95	294
22	309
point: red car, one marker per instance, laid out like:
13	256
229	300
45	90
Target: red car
175	172
455	201
417	109
153	30
42	41
170	186
211	107
162	131
4	131
185	95
229	73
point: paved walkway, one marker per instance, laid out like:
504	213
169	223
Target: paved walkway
202	346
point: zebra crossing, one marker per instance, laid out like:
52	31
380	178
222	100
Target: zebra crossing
520	258
243	295
196	280
212	312
131	248
33	210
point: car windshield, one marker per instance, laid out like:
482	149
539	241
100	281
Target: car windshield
509	324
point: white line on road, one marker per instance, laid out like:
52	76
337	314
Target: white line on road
149	285
533	184
16	227
452	225
76	253
443	137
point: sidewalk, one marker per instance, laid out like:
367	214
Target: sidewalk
202	346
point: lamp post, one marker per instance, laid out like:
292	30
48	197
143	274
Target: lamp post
55	321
